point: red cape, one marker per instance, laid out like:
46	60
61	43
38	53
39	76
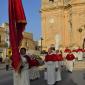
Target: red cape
70	57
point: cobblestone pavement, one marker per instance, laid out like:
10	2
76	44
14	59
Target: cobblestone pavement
75	78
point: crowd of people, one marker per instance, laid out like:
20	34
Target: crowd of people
54	62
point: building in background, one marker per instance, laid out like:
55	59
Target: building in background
63	22
27	41
4	40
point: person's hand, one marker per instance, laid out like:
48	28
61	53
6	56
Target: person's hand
56	69
45	69
21	67
62	66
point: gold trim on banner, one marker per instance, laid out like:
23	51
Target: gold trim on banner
21	21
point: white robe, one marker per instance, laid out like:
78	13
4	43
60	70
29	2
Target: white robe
83	54
34	73
69	65
76	56
23	77
51	77
80	55
58	72
64	54
45	71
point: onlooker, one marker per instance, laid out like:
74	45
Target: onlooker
7	62
0	59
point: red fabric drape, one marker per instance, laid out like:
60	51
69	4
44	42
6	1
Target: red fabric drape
17	22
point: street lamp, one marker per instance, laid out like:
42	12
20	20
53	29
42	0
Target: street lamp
41	43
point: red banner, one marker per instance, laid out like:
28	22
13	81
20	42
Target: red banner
17	22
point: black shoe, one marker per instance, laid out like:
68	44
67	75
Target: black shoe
54	84
69	71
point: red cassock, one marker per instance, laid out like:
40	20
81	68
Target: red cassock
33	62
67	50
70	57
79	50
51	57
74	50
83	50
59	57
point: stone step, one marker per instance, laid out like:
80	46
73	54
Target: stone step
79	65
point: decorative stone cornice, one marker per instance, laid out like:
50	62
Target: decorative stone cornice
52	8
77	4
68	6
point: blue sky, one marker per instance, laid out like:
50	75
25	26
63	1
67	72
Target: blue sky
31	8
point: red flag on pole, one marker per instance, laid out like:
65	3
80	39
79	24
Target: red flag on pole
17	22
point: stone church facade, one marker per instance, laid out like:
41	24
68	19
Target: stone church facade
63	23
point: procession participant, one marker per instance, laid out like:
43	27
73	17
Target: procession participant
50	68
74	51
66	51
7	62
80	54
70	61
22	77
75	54
59	60
34	71
83	53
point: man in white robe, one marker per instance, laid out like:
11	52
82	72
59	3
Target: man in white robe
80	54
75	54
58	64
50	68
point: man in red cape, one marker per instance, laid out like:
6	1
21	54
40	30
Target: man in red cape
50	68
17	22
70	62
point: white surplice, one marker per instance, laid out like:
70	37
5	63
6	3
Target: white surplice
69	65
50	75
80	55
23	77
58	72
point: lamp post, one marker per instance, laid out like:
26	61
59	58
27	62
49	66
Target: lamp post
41	43
83	43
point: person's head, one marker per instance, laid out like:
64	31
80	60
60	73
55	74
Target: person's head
6	55
57	51
53	48
49	50
23	51
69	52
61	51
